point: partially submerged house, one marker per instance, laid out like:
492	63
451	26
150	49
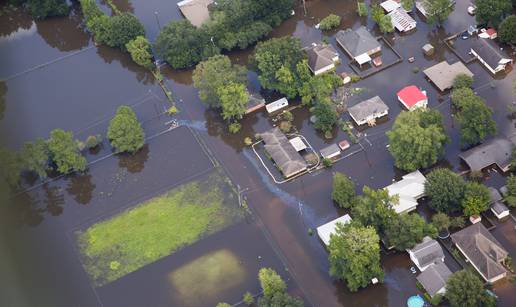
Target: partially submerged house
325	231
368	111
359	44
321	58
487	52
426	253
276	105
412	98
443	74
401	20
482	250
434	278
496	151
196	11
409	189
281	151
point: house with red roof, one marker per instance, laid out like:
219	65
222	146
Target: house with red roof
412	97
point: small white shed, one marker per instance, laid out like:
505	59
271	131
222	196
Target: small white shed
276	105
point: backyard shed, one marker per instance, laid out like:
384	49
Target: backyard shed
434	278
331	151
287	159
412	97
196	11
359	44
276	105
482	250
298	143
426	253
409	189
390	5
428	49
368	111
443	74
325	231
321	58
500	210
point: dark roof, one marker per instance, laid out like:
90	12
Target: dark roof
357	42
482	249
368	107
427	252
496	151
499	207
494	195
487	50
434	278
320	56
288	160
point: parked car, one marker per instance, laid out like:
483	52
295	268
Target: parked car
472	9
464	35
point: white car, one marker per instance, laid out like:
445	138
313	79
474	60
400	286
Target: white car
472	9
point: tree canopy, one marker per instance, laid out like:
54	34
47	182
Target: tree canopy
464	288
462	81
122	29
438	10
445	190
386	25
476	198
41	9
355	255
233	100
511	191
406	230
125	132
64	152
492	12
343	190
274	290
417	139
374	208
507	30
329	22
35	157
140	50
325	116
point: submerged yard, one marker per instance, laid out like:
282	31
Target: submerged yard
158	227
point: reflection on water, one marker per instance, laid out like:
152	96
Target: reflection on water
3	92
25	210
134	163
109	55
54	200
64	33
204	278
13	20
81	188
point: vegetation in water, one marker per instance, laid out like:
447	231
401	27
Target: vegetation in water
329	22
125	132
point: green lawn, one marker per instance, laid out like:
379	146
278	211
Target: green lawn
157	228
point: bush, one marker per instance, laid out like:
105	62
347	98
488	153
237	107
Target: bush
248	141
125	132
343	190
285	126
288	116
361	9
462	81
248	298
64	152
234	127
327	162
329	22
93	141
140	50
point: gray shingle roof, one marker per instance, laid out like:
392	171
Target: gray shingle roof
427	252
488	51
479	245
494	195
288	160
496	151
357	42
499	207
443	74
434	278
320	56
366	108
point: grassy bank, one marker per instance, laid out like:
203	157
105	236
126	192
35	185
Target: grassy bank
157	228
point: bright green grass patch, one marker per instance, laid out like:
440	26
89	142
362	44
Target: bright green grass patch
204	278
157	228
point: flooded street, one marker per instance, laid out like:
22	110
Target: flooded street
52	75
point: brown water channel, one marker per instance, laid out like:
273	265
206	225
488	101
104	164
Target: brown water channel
55	77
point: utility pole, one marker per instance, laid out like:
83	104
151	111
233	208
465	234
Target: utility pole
157	20
304	6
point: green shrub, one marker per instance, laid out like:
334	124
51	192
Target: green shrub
234	127
248	141
327	162
462	81
248	298
329	22
361	9
93	141
123	29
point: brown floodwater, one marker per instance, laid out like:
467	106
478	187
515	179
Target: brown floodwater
53	76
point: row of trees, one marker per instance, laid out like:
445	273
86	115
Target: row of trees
41	9
492	12
232	24
63	153
274	292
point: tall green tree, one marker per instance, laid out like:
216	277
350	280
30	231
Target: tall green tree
41	9
464	288
64	152
182	45
438	10
476	122
140	51
35	157
385	24
476	198
355	255
408	5
326	117
510	198
492	12
343	190
123	28
377	13
462	81
507	30
233	100
417	139
406	230
274	290
215	73
374	208
125	132
445	190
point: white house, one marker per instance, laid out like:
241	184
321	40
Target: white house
401	20
426	253
487	53
325	231
409	190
